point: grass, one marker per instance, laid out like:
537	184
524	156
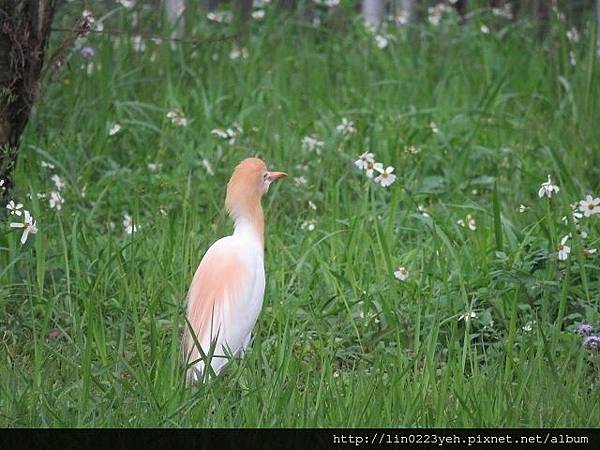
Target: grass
92	317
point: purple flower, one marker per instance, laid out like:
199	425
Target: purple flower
584	329
88	52
592	342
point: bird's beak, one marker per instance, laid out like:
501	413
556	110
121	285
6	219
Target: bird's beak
276	175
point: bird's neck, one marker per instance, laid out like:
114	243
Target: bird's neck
251	223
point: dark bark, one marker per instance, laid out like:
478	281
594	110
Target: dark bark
516	8
242	9
542	16
287	5
211	5
598	28
24	34
462	7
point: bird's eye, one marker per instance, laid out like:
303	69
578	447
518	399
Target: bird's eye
266	176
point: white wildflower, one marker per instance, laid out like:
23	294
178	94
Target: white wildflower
128	224
572	35
564	249
138	43
237	53
219	16
346	128
309	225
401	273
434	128
58	182
312	144
56	201
28	225
484	29
114	129
421	210
372	168
220	132
576	217
402	18
467	315
548	189
154	167
312	205
381	41
14	209
328	3
523	208
300	181
258	14
385	177
88	17
230	134
505	11
589	206
365	161
470	222
47	165
436	12
177	118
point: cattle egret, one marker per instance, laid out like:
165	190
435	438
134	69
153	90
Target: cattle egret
226	293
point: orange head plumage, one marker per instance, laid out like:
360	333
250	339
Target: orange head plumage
250	180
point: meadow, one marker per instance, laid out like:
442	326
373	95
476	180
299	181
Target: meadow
482	329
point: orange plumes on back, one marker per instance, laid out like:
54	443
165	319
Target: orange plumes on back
218	282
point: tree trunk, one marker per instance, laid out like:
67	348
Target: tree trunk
211	5
598	28
462	7
372	11
242	9
542	15
306	11
24	34
287	6
175	10
407	12
516	8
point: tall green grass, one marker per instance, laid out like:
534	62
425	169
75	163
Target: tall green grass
92	317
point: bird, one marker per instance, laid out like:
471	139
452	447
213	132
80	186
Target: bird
227	290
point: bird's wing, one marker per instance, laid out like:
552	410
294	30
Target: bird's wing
224	301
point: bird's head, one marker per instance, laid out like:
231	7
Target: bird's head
250	180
